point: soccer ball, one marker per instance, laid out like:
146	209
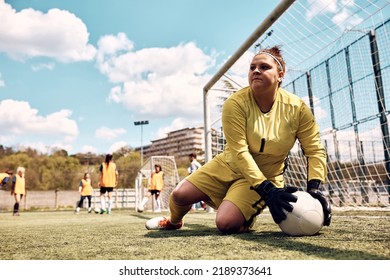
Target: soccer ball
140	209
307	217
96	210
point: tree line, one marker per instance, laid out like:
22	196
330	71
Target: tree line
60	171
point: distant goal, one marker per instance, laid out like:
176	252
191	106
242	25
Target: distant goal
171	179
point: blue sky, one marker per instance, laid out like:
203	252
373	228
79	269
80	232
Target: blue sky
75	75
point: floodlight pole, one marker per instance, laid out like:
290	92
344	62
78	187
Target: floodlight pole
141	123
260	30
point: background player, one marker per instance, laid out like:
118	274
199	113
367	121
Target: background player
155	187
18	188
5	177
85	190
108	179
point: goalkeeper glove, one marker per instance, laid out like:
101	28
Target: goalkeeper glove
313	189
277	199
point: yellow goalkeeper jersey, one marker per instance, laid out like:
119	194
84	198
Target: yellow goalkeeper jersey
258	143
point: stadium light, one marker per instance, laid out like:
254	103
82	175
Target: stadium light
142	123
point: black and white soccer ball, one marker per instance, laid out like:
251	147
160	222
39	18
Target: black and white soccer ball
307	217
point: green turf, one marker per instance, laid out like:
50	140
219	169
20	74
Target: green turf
62	235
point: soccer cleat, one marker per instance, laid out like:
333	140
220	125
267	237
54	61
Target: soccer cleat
161	223
108	211
140	209
102	211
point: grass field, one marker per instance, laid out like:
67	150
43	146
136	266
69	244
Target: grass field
62	235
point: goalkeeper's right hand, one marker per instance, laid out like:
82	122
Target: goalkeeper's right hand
277	199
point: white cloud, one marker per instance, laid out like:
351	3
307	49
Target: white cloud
158	82
18	118
116	146
41	66
320	6
342	11
6	139
177	124
44	148
176	95
109	133
346	19
88	149
319	112
58	34
347	147
110	45
2	83
123	65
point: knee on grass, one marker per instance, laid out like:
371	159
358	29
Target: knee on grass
227	226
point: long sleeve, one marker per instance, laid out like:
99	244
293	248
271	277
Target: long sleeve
234	122
309	137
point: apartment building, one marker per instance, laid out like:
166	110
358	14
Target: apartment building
180	143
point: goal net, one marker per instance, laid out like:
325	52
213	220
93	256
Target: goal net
171	179
338	61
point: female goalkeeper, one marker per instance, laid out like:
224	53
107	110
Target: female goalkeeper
261	124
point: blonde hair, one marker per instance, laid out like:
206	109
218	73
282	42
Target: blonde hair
21	169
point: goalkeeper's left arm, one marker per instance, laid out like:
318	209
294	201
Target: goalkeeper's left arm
313	188
309	137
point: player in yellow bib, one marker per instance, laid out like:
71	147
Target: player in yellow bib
155	187
85	190
261	123
5	177
18	188
108	179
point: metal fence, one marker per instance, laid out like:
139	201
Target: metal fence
60	200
